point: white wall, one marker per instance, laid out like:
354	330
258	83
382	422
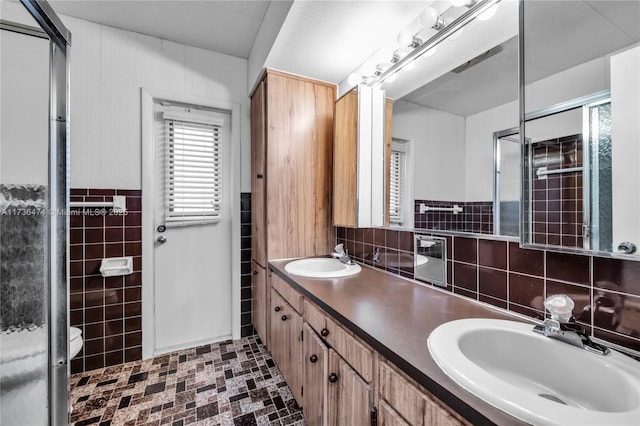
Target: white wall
108	68
438	139
24	109
479	148
625	137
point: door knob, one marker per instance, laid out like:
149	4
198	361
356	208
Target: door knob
333	377
324	332
161	239
277	309
284	318
313	358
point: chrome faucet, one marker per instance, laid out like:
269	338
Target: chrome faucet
376	255
563	326
342	255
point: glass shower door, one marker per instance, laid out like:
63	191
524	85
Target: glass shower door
24	167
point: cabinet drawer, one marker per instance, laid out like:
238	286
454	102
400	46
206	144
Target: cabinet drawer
314	316
416	406
359	356
287	292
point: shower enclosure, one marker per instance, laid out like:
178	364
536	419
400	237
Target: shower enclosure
34	45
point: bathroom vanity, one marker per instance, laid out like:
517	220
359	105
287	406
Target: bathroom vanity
353	350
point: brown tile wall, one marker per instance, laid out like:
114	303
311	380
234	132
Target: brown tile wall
107	310
557	200
606	291
476	216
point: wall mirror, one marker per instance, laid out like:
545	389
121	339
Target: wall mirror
455	151
581	132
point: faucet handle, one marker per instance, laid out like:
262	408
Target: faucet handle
339	248
560	306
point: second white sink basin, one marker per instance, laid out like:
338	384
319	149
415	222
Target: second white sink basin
535	378
321	267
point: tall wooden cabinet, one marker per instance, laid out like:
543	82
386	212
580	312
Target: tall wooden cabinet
291	182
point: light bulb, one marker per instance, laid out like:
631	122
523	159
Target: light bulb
488	14
354	79
458	3
404	38
429	17
383	66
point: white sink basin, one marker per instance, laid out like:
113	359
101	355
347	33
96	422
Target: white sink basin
321	267
537	379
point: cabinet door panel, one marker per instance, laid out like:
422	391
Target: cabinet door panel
278	339
387	416
316	366
286	343
259	299
258	146
349	397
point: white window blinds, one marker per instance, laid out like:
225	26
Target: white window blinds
193	178
396	186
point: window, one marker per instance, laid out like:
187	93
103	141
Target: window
193	179
397	182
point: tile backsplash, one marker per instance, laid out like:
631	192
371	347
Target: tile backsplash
606	291
476	216
246	326
107	310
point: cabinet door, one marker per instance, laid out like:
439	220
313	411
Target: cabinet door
286	343
258	172
349	397
278	337
259	300
316	367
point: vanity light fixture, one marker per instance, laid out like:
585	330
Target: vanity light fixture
486	8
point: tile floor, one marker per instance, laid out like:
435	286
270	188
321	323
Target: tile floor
228	383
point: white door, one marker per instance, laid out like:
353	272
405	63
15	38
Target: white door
192	262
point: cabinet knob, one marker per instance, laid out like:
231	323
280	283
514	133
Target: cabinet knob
333	377
255	272
313	358
259	176
277	308
284	318
324	332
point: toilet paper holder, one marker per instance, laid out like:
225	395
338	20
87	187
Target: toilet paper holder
116	266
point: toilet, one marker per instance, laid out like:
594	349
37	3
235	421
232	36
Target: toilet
75	341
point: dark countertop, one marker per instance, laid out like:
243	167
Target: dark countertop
395	316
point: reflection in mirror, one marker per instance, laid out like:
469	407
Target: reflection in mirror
581	189
431	259
450	113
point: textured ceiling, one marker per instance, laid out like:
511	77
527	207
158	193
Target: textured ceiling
223	26
326	40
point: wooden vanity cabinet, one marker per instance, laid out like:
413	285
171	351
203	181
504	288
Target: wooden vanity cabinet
291	182
345	160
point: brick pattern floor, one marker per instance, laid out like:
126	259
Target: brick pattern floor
228	383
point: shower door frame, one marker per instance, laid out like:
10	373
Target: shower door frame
58	196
